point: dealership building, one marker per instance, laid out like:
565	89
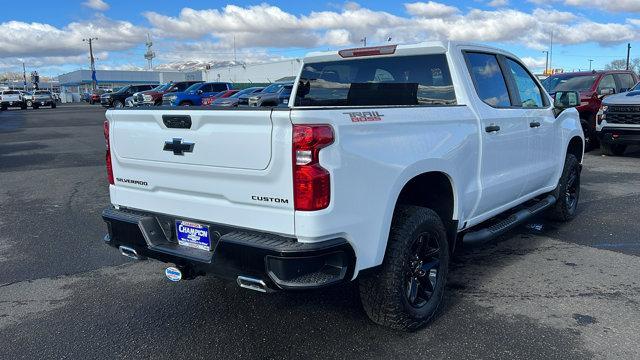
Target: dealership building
75	83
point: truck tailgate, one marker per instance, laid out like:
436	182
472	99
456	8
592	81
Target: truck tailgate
227	167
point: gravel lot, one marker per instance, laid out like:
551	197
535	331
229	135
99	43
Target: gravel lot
569	291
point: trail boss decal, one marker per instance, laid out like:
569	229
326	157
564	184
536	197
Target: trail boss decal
364	116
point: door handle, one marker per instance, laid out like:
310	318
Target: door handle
492	128
534	124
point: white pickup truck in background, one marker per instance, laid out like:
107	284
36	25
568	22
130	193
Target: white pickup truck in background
383	161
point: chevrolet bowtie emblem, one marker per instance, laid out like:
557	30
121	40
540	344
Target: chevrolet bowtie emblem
178	146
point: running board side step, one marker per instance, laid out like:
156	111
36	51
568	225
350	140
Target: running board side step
484	235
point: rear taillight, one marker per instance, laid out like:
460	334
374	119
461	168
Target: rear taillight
311	182
108	153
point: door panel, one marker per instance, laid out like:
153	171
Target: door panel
504	134
542	145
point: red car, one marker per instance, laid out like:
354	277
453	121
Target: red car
153	97
221	95
95	96
593	86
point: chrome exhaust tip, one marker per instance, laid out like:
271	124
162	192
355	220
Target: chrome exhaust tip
130	253
252	284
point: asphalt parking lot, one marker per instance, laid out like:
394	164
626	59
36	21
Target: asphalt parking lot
566	291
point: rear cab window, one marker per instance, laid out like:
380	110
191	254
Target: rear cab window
626	81
419	80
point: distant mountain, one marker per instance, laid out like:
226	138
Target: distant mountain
194	65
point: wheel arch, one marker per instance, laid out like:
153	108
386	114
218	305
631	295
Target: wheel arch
434	189
576	147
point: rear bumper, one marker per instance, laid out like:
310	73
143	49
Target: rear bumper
619	135
12	103
281	263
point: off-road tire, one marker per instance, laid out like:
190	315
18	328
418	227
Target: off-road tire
29	103
383	293
53	106
613	149
563	210
23	106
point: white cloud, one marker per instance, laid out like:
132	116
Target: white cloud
430	9
534	63
264	31
99	5
608	5
498	3
554	16
269	26
47	40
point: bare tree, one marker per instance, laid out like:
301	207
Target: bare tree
622	65
616	65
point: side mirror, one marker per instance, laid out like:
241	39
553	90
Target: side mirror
606	91
566	99
200	92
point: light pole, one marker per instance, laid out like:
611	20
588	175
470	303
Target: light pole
546	64
94	81
590	61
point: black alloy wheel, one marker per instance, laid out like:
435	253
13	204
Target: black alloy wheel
422	274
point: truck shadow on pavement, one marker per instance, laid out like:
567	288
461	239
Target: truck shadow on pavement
207	317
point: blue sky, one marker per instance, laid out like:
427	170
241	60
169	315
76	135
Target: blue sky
47	35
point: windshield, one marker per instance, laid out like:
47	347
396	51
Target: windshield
122	90
273	88
245	92
161	87
194	87
554	84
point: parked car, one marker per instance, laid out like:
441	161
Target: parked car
619	122
388	158
118	99
27	96
154	96
85	96
130	101
12	98
593	86
243	100
43	98
206	101
193	95
96	94
273	95
233	100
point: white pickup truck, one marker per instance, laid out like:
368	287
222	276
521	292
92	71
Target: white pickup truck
381	163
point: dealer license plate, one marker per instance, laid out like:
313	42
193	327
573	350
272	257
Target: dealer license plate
193	235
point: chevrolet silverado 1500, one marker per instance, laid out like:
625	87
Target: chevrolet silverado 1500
384	160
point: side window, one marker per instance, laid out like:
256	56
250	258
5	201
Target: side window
488	79
218	87
530	94
607	82
626	82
